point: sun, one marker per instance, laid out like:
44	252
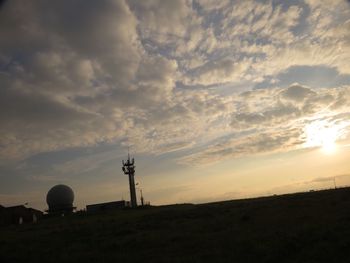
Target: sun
322	134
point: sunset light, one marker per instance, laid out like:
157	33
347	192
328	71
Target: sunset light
322	134
194	90
186	107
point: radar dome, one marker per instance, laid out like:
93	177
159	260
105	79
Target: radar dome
60	199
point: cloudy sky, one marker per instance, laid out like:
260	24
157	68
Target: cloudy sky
215	99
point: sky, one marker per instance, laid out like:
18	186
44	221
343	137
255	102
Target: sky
216	100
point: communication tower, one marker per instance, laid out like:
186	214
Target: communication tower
129	169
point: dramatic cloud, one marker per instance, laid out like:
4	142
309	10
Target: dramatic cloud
180	82
164	76
297	93
276	120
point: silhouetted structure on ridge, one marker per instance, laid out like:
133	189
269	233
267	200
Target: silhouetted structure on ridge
60	200
102	207
129	169
142	200
18	215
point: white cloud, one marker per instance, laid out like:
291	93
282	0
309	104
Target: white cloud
77	74
218	71
162	16
274	120
268	141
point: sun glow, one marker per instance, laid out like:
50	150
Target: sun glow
322	134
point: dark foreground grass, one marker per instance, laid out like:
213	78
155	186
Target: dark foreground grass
308	227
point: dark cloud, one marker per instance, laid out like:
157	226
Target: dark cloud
75	71
297	93
36	109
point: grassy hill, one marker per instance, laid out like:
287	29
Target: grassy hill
303	227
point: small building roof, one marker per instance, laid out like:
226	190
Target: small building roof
106	206
15	207
22	208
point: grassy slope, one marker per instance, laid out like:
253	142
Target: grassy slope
308	227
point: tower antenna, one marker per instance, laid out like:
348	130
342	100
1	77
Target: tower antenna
129	169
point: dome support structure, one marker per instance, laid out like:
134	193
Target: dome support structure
60	200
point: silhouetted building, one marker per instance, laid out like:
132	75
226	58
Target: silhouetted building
95	208
60	200
19	215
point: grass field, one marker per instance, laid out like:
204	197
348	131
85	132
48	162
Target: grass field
304	227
